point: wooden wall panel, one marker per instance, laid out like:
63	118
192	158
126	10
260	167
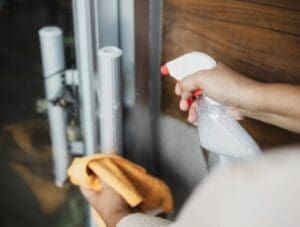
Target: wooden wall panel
285	4
260	38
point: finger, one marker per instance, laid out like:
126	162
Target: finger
90	195
183	105
236	113
86	192
193	113
185	94
105	186
177	89
190	84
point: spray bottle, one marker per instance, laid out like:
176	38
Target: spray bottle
218	131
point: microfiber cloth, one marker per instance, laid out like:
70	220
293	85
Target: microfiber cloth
131	181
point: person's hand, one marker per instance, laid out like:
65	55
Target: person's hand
221	84
108	203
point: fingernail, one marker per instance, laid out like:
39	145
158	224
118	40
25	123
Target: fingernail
190	101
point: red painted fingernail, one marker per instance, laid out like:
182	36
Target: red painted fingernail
197	92
190	101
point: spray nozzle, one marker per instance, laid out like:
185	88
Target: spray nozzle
164	70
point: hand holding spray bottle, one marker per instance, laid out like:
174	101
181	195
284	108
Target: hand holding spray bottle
218	131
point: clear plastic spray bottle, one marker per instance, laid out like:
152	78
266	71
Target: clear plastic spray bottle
218	131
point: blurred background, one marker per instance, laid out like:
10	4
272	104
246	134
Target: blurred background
28	196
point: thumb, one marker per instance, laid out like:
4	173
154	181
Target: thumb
89	195
191	83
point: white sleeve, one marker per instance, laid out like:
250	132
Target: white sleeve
261	192
143	220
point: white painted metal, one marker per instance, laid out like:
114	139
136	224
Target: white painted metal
51	41
71	77
85	65
107	22
85	59
141	46
110	105
127	44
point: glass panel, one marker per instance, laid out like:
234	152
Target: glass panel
28	196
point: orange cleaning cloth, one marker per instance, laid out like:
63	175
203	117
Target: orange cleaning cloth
128	179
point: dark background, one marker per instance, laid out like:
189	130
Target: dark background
28	196
20	65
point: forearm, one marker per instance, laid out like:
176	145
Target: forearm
288	123
280	99
276	104
113	219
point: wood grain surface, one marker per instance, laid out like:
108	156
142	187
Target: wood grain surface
259	38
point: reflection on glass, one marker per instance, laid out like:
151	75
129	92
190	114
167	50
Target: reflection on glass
28	195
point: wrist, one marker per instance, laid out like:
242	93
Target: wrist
253	94
114	217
